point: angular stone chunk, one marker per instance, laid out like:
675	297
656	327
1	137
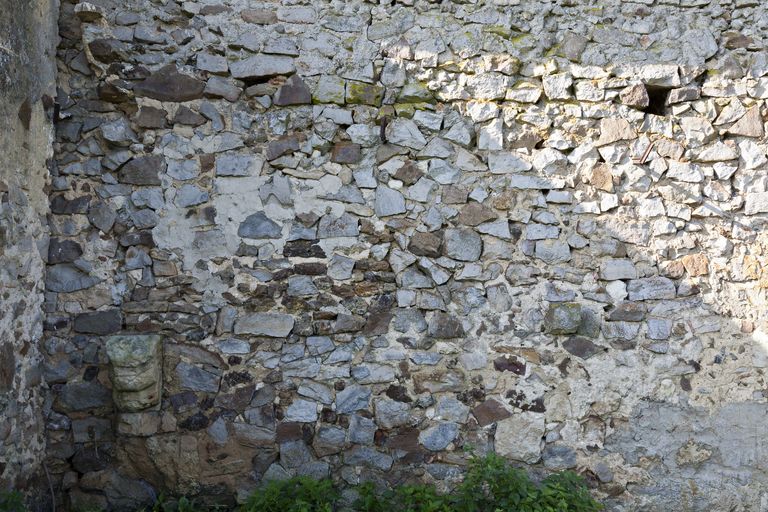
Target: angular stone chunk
391	413
346	153
282	146
333	227
425	244
293	92
63	251
361	93
274	325
696	264
614	129
751	125
67	278
635	96
501	162
489	412
258	226
474	214
167	84
135	370
99	322
581	347
262	66
659	328
388	202
404	132
259	16
143	170
527	182
352	398
233	164
519	437
438	437
614	269
462	244
552	251
562	318
443	325
651	288
756	202
558	86
602	177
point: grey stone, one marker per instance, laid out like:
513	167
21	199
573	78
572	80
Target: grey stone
563	318
553	251
368	457
404	132
143	170
99	322
301	411
333	227
659	328
361	430
438	437
190	195
262	66
443	325
559	457
651	288
65	278
352	398
581	347
340	267
388	202
293	92
391	413
462	244
613	269
194	378
301	286
275	325
259	226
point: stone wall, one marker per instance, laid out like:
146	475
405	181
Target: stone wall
356	239
27	91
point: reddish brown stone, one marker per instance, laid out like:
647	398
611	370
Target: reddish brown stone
346	153
489	412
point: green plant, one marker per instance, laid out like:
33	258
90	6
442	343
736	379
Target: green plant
409	498
299	494
491	484
565	492
12	501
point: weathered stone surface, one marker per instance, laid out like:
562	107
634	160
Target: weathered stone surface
143	170
438	437
462	244
651	288
519	437
293	92
562	318
262	66
168	84
99	322
276	325
257	226
388	202
346	153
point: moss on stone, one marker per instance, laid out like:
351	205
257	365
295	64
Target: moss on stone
361	93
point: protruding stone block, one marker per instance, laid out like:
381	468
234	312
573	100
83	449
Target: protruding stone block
135	370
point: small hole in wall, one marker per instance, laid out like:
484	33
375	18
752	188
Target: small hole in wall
657	100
